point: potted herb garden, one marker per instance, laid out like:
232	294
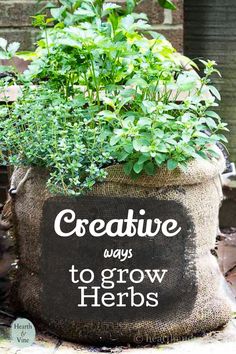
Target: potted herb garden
112	124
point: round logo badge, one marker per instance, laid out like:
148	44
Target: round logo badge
22	333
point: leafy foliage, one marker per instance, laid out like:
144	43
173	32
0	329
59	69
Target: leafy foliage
106	93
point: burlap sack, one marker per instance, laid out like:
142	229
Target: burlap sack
198	189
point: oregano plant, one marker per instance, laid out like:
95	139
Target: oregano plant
104	88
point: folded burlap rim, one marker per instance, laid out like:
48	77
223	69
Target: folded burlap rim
198	171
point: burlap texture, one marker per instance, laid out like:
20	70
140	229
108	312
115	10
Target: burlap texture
198	189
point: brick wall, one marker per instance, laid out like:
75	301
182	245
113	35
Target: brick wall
15	21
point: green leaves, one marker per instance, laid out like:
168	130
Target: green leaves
167	4
26	55
130	25
3	44
8	52
212	114
4	55
70	42
39	21
108	8
149	168
215	92
142	122
5	68
171	164
186	81
114	140
138	167
106	94
148	106
84	13
130	5
13	47
57	12
128	167
127	22
141	144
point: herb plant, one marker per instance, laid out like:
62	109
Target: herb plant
103	88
